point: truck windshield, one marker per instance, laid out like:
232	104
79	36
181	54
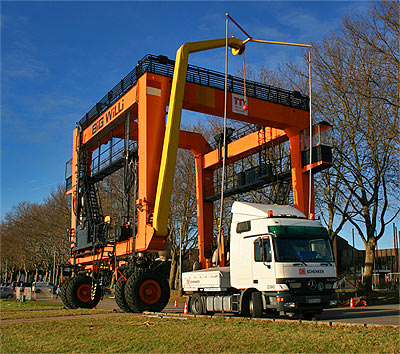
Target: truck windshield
304	249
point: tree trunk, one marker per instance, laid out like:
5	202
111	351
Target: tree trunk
369	263
177	280
26	274
56	282
172	274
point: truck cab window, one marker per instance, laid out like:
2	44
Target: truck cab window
306	249
262	250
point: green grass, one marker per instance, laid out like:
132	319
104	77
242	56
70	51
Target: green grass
12	309
14	305
141	334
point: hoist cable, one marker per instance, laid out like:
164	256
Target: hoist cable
219	230
311	134
244	80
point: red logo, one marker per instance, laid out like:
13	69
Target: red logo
302	271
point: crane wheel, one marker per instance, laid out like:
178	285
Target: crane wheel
63	295
119	292
79	292
147	291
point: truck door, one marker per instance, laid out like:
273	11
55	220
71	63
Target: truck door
263	265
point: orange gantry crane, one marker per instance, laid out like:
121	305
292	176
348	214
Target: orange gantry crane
127	129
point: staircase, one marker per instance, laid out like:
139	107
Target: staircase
92	207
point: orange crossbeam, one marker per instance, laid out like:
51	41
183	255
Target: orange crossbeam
243	147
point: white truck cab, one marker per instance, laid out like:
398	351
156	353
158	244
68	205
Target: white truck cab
279	262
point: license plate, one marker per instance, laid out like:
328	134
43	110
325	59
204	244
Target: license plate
313	300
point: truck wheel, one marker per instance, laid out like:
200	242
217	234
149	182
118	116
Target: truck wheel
79	292
196	305
63	295
256	305
119	291
147	291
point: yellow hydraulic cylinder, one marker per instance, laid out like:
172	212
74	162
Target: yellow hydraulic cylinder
171	138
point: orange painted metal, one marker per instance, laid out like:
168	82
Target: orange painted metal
300	180
221	250
245	146
147	104
209	100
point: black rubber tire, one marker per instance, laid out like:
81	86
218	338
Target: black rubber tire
79	298
119	292
10	296
256	309
147	291
196	305
37	291
245	304
63	294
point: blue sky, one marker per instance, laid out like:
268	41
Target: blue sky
59	58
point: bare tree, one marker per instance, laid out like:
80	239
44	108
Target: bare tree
356	74
33	234
182	221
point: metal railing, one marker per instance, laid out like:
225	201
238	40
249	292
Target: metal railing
110	158
161	65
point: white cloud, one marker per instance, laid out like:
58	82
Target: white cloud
23	66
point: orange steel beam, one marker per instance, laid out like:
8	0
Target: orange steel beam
244	146
210	100
300	180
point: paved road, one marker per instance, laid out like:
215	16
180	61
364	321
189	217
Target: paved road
379	315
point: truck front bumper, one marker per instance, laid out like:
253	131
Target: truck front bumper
286	302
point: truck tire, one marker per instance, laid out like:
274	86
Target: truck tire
147	291
119	292
63	295
256	309
196	305
79	292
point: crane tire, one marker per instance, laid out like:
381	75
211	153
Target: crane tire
119	292
79	292
147	291
63	295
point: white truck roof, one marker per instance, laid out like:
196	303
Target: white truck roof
261	210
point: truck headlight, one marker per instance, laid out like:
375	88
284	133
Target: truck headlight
332	302
290	304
